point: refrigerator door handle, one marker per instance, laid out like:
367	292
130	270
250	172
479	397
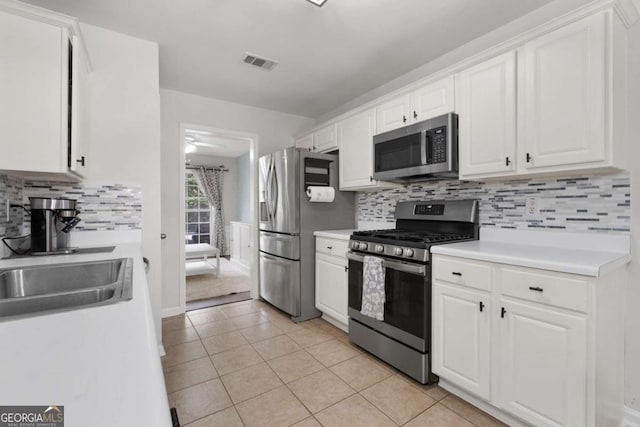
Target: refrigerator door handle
274	196
267	191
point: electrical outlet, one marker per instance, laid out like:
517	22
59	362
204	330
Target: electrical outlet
532	207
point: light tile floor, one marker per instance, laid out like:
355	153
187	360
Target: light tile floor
247	364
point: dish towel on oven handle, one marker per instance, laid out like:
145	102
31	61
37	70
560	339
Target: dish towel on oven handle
373	296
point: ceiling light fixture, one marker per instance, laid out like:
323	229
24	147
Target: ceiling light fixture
318	3
189	148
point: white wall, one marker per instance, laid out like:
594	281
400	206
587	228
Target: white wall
632	353
275	130
229	187
125	130
243	202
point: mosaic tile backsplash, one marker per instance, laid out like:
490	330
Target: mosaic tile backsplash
10	189
592	204
102	206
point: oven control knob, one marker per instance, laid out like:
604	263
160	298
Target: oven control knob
363	246
355	245
379	248
398	251
408	252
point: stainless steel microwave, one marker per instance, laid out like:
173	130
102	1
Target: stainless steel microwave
422	151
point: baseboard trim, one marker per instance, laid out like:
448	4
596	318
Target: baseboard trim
335	322
239	264
172	311
631	417
161	350
479	403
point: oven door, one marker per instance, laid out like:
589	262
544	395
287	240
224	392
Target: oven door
407	307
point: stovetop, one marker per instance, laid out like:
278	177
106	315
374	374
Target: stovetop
419	239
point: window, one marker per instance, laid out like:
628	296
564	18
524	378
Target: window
198	213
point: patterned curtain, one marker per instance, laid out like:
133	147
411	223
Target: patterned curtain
210	182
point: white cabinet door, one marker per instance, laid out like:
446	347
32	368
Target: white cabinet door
79	159
325	139
461	338
486	106
393	114
355	140
245	244
331	286
235	241
543	365
433	100
32	84
305	141
565	88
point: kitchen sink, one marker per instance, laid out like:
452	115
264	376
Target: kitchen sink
29	291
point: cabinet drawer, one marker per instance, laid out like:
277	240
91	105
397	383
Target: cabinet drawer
545	288
473	274
332	246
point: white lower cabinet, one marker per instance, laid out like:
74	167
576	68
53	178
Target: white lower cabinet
461	337
332	279
536	348
543	364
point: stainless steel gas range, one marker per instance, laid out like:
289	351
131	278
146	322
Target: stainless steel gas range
403	337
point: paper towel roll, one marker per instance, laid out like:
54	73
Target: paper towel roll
321	194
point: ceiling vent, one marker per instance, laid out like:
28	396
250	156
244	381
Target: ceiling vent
255	60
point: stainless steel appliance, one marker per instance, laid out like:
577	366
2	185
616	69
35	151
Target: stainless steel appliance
422	151
287	222
51	221
403	338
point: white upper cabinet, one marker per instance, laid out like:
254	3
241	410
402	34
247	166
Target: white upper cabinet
427	102
486	107
393	114
326	139
564	83
433	100
79	153
355	140
42	73
305	141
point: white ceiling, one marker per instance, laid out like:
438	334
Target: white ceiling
327	55
209	144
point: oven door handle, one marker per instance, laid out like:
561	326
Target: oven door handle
418	270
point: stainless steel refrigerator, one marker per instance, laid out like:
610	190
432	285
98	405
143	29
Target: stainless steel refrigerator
287	222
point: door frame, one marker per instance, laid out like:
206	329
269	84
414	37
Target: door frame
252	139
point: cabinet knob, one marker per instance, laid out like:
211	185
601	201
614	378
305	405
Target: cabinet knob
456	273
329	247
507	161
503	311
81	161
536	288
415	115
404	119
163	236
529	158
481	306
346	268
370	178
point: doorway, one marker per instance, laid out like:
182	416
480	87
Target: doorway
218	216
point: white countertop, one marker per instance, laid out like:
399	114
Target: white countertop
335	234
590	254
101	363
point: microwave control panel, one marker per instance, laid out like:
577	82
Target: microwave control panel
438	142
